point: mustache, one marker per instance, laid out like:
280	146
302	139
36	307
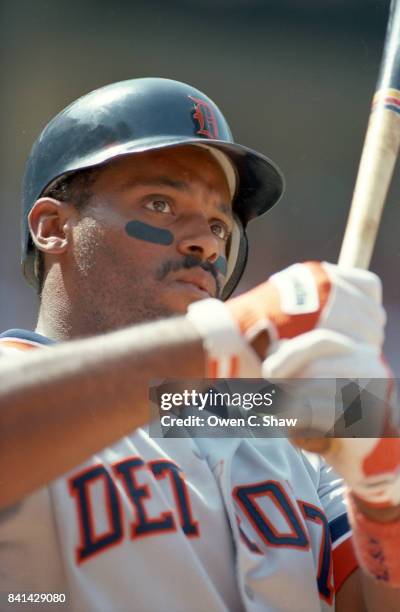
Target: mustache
186	263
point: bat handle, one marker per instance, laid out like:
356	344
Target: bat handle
373	179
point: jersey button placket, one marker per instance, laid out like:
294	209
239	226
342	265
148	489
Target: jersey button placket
249	591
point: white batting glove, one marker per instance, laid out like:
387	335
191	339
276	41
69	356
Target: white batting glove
229	355
311	296
301	298
369	466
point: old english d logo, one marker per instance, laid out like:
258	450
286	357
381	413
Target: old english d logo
204	117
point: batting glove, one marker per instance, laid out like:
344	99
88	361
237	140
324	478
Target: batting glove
301	298
369	466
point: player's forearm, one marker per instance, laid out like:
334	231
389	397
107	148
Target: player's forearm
380	515
361	592
377	594
60	405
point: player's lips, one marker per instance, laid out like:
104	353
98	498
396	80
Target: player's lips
197	280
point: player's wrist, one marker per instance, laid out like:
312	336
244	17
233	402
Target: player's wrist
376	512
228	354
370	468
376	542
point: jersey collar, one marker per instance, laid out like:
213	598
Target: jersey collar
25	335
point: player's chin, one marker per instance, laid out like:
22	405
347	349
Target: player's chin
179	295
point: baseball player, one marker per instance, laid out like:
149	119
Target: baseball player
136	201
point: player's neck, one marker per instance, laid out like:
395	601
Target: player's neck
61	314
53	323
65	314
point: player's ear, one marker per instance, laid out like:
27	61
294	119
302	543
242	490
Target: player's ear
50	223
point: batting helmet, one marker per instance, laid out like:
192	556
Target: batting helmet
141	115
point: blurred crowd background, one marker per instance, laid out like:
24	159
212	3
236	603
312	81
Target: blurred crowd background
294	78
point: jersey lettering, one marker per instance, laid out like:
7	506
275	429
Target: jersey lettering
247	496
325	565
144	524
81	487
165	468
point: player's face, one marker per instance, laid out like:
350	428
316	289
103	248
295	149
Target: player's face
154	236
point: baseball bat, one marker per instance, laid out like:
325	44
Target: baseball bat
375	171
379	154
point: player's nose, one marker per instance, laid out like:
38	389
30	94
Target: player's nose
199	240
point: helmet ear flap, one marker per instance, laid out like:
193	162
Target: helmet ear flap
237	257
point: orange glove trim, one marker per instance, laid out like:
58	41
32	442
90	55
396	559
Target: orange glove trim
264	302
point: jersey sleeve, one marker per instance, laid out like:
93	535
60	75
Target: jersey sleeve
8	353
3	352
331	491
11	347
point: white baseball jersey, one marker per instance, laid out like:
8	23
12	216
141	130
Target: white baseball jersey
183	525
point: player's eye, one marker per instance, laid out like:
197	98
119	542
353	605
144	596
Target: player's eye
220	229
159	205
